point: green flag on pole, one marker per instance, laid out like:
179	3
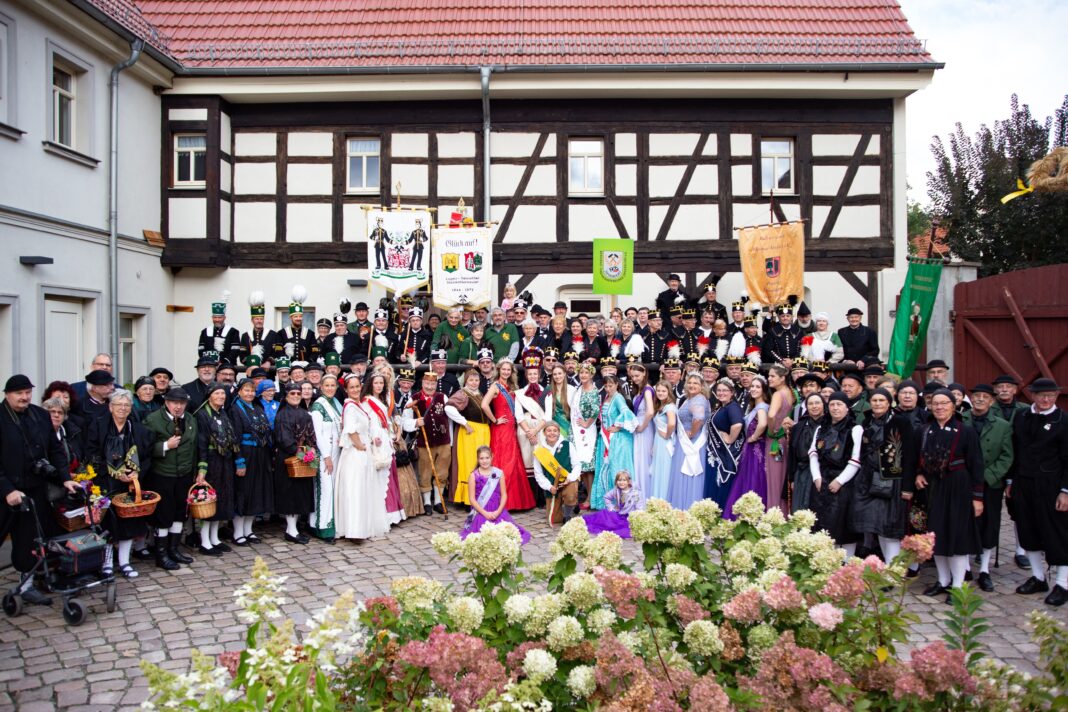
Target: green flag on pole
913	315
613	266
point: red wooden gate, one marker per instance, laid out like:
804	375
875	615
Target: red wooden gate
1015	323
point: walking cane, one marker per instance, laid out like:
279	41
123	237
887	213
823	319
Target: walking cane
433	470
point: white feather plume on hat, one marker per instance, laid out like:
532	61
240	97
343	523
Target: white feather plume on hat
256	299
634	347
299	294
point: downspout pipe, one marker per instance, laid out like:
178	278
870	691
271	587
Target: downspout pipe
136	48
485	73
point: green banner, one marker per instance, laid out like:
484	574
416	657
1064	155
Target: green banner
613	266
913	315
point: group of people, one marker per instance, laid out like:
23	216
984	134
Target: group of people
347	432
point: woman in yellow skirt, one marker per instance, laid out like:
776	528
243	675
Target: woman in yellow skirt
465	409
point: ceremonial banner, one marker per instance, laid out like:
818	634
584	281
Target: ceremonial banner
913	315
773	261
463	266
397	254
613	266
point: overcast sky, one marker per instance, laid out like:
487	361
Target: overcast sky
990	49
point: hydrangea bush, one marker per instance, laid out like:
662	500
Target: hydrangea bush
752	614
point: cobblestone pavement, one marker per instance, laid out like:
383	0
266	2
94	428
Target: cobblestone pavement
163	616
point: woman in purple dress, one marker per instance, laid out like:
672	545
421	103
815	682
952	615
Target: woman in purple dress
490	497
642	404
619	502
752	474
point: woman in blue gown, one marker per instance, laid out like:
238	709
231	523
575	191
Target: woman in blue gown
664	423
687	482
724	443
752	475
615	442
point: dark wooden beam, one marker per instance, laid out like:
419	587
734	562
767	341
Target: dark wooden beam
340	171
684	184
724	185
843	188
642	193
804	175
280	187
563	217
855	283
873	301
520	189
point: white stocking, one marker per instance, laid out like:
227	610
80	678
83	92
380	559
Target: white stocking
248	525
291	525
1019	549
124	548
205	535
958	565
891	548
850	550
984	561
161	533
177	527
942	564
239	527
426	497
213	528
1038	564
1062	576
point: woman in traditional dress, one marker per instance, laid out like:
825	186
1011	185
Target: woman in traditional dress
619	502
219	456
574	340
687	482
557	406
145	401
644	435
119	449
752	475
558	336
499	406
266	398
530	419
253	491
631	342
887	461
834	458
490	500
665	420
293	431
779	409
615	442
326	415
360	488
375	398
949	465
584	411
724	443
472	432
801	434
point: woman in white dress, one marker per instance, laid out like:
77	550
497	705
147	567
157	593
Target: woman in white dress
377	403
326	416
360	489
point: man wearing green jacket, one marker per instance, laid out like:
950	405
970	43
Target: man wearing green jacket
995	439
502	337
174	463
450	335
1005	389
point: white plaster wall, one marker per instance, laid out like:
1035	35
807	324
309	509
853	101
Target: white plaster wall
255	143
310	143
255	178
254	222
626	144
542	181
226	135
587	222
309	178
866	181
504	179
710	146
834	144
353	223
827	179
531	223
672	144
308	222
741	145
705	181
456	145
409	145
664	180
742	180
695	222
629	215
873	146
188	216
224	220
626	179
512	145
414	179
456	180
226	178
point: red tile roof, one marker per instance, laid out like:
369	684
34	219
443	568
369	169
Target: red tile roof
467	33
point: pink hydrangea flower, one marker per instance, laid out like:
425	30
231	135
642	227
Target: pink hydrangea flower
874	563
783	595
846	585
460	664
622	590
941	668
795	678
825	615
921	545
744	607
707	695
689	610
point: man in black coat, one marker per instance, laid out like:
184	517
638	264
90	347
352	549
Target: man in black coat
198	389
782	343
31	456
859	342
670	297
1038	489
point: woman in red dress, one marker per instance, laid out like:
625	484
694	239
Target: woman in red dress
499	406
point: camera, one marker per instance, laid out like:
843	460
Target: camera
43	468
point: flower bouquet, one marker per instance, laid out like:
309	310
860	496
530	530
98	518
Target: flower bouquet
304	464
202	501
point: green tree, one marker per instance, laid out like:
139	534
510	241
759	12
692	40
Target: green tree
972	175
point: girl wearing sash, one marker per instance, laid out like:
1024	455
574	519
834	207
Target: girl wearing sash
491	497
584	410
465	409
687	482
253	494
558	401
530	418
499	406
619	502
724	443
217	447
664	422
326	415
360	488
780	408
375	394
615	444
752	475
644	437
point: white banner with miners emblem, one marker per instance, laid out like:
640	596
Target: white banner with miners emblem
398	248
463	266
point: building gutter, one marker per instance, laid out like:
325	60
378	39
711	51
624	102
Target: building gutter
484	73
136	48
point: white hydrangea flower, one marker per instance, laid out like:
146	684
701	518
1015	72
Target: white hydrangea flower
564	632
739	558
803	519
415	592
707	512
517	608
679	576
767	547
605	549
466	613
583	591
545	608
749	508
539	665
630	640
492	549
600	620
702	637
573	537
581	681
447	543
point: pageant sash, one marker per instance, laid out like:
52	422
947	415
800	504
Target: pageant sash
492	483
691	451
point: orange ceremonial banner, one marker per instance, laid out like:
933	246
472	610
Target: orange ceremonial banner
773	261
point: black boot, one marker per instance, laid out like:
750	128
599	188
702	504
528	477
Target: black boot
173	541
569	513
163	557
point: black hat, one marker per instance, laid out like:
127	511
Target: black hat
158	370
838	396
854	311
324	322
608	362
803	310
144	381
405	374
214	386
800	363
909	383
1005	378
932	387
1043	385
675	277
439	355
361	306
560	305
226	366
852	374
750	366
313	366
99	378
206	361
983	388
935	363
874	370
292	386
176	394
805	378
246	382
18	382
259	373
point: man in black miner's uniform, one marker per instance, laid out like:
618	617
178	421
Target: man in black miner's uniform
322	341
737	321
197	390
447	382
656	340
30	457
859	342
688	334
342	342
292	341
671	296
254	342
219	337
782	343
413	344
379	237
1038	489
708	301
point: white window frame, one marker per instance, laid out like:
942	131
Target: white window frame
776	159
58	95
130	340
586	155
350	154
80	149
7	74
584	292
192	183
